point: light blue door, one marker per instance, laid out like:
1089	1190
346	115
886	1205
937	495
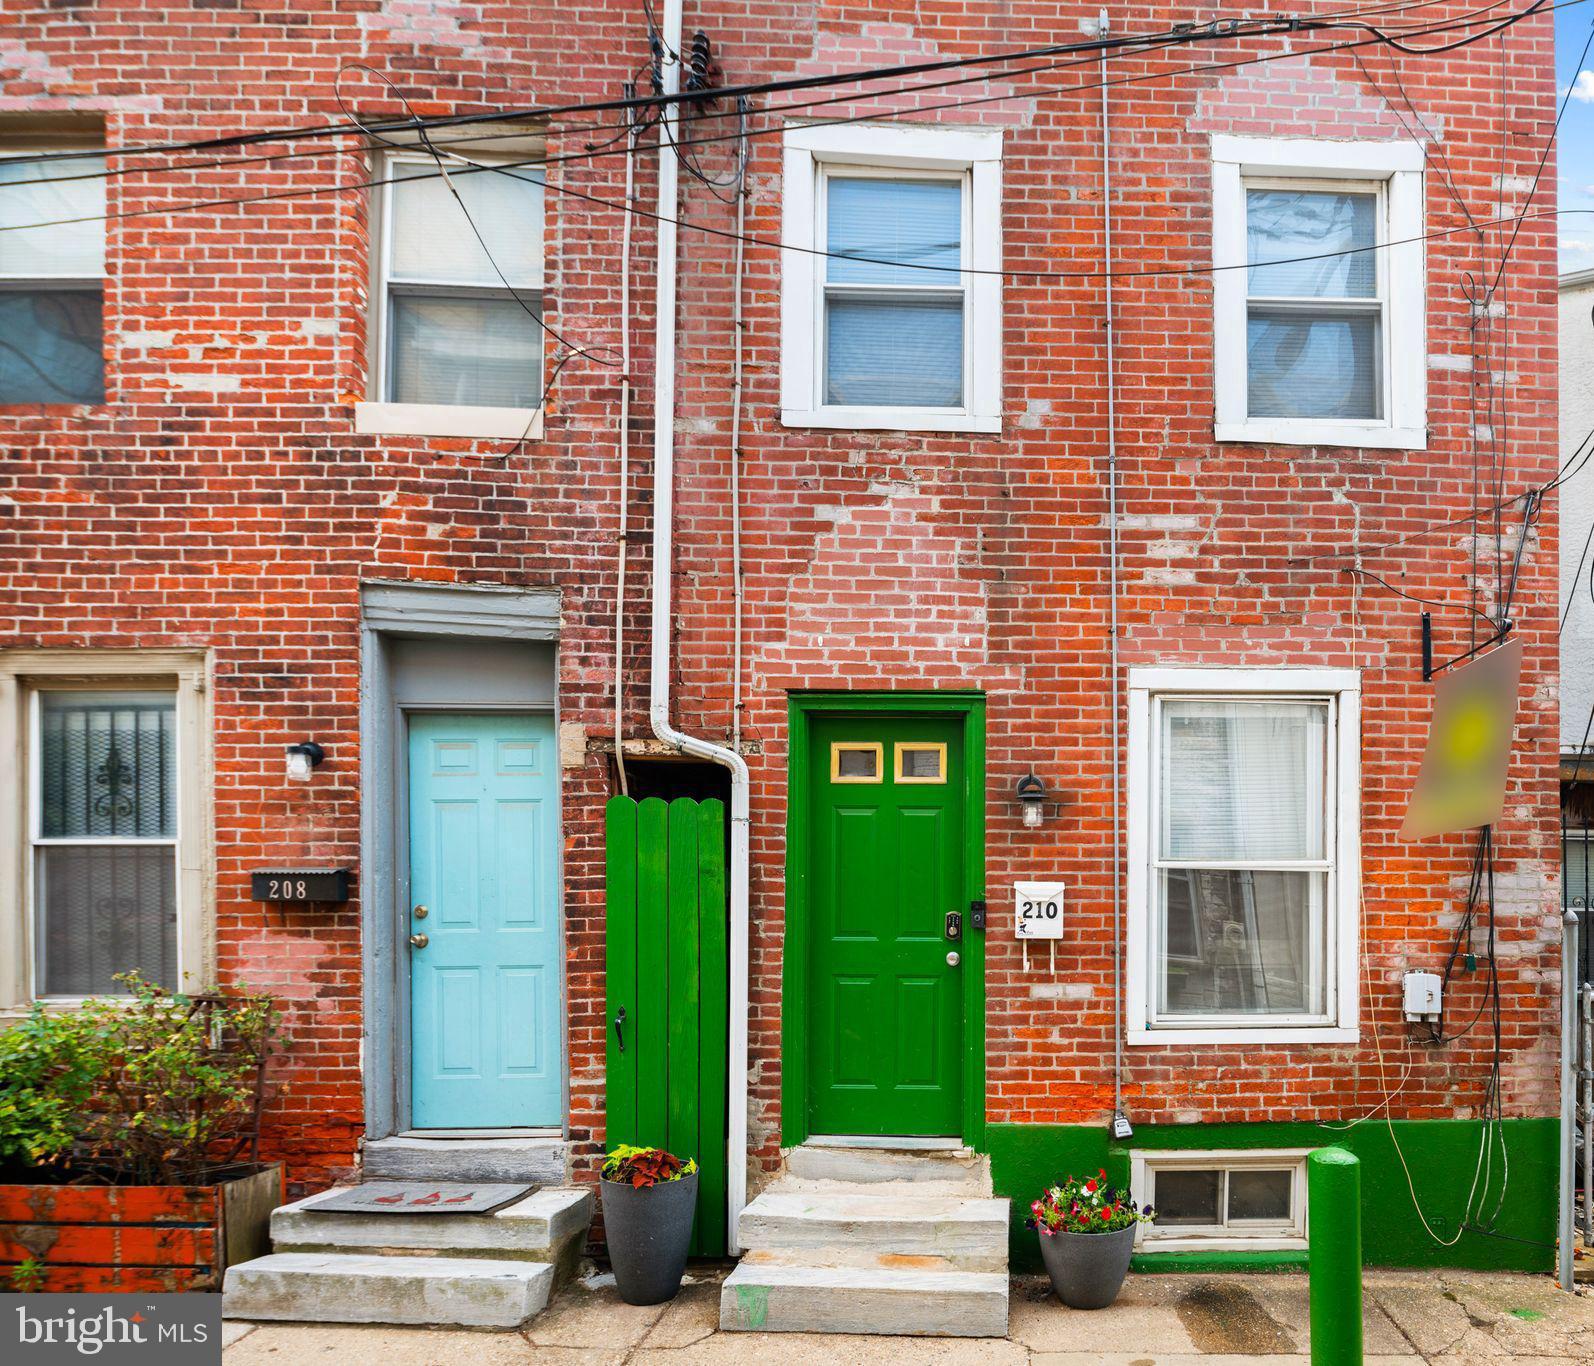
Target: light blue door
484	988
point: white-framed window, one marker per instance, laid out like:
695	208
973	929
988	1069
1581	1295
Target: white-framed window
456	330
1250	1200
1244	855
104	823
1319	295
52	280
891	294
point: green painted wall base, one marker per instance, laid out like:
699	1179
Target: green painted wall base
1215	1261
1025	1158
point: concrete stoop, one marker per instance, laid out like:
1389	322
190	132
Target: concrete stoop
872	1241
492	1270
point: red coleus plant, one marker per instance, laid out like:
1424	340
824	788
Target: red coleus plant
639	1167
1089	1205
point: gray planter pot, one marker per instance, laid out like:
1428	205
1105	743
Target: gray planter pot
648	1232
1088	1269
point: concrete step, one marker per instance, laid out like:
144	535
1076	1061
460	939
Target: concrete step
535	1161
819	1161
540	1227
821	1221
776	1297
344	1287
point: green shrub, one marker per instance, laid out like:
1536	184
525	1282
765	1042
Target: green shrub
149	1088
46	1079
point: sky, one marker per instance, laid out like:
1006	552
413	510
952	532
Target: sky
1576	148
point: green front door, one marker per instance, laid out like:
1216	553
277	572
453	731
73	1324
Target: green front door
885	1027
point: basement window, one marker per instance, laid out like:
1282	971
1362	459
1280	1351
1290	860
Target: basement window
1319	292
457	329
52	279
1251	1201
891	291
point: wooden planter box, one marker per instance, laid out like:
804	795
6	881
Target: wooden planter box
152	1238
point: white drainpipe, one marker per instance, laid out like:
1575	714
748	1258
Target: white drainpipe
659	693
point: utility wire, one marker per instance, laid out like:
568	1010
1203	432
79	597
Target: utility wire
852	97
1216	30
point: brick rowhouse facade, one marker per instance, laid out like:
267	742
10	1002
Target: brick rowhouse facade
220	499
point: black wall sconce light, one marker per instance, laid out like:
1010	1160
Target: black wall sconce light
302	759
1031	795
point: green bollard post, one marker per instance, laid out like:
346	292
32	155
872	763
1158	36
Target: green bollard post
1334	1221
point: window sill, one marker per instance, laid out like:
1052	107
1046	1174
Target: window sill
1291	432
1284	1241
891	419
444	419
1228	1034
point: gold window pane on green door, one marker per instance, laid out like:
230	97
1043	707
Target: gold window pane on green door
856	762
921	763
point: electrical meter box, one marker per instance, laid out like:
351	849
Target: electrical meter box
1421	995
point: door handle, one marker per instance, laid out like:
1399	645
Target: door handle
619	1028
419	941
953	959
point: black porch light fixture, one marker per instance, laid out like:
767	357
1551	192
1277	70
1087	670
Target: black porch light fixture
1031	795
302	758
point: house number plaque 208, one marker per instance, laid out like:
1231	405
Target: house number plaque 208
300	884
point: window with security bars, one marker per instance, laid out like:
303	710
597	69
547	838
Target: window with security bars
52	280
463	285
104	840
893	299
1242	860
1314	305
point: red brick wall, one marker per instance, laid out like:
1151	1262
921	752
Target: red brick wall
219	497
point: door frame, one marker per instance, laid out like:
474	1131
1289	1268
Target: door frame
801	707
389	610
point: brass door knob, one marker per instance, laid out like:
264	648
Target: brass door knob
419	941
420	913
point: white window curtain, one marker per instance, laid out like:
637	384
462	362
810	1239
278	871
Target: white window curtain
1242	799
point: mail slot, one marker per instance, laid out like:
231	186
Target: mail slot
300	884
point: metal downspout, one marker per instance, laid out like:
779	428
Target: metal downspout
663	567
1112	599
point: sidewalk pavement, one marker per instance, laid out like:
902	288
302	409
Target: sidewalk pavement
1450	1317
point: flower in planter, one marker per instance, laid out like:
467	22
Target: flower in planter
1085	1206
641	1167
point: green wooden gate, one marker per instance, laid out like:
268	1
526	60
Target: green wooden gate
668	990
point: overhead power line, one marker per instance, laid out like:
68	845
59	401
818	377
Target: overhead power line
541	161
1221	30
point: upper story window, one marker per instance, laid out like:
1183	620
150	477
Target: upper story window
891	293
52	280
1243	855
1319	294
459	294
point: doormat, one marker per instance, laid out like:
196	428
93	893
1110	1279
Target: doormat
418	1197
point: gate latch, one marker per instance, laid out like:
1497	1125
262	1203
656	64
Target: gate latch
954	924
